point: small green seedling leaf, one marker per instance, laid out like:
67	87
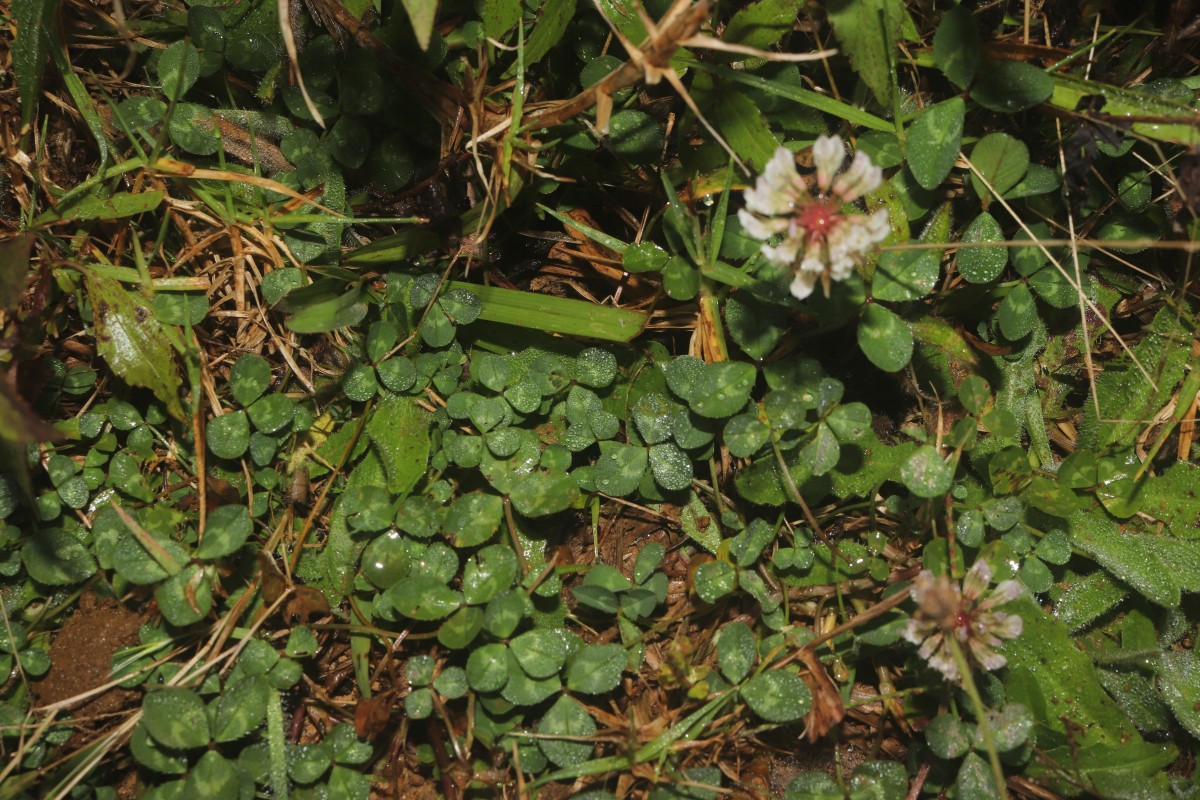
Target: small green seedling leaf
885	339
736	651
596	668
982	264
934	138
926	473
777	696
176	718
1011	86
956	46
569	719
1002	160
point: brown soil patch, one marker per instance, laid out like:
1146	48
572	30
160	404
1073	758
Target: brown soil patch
80	658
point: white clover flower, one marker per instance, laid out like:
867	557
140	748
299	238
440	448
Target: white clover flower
820	241
968	614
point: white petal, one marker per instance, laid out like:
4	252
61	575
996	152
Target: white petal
878	226
784	254
917	631
979	576
779	188
829	153
803	284
840	267
761	228
766	200
944	663
1005	592
1006	626
988	658
861	178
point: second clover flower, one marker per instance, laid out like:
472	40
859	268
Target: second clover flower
968	615
821	241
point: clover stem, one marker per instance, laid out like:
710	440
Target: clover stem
968	685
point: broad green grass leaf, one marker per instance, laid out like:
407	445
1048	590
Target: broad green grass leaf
1145	561
1068	90
1057	682
1180	673
868	31
553	18
1174	498
34	19
556	314
807	97
933	141
1128	399
135	344
14	268
88	207
499	16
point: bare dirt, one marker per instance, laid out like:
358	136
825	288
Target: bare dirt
80	658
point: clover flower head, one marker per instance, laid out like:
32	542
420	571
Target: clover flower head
820	239
968	614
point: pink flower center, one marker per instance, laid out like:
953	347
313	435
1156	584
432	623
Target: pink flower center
818	218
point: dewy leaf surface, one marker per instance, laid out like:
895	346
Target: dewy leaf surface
135	344
868	31
399	432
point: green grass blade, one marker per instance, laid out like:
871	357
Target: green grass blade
820	102
555	314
